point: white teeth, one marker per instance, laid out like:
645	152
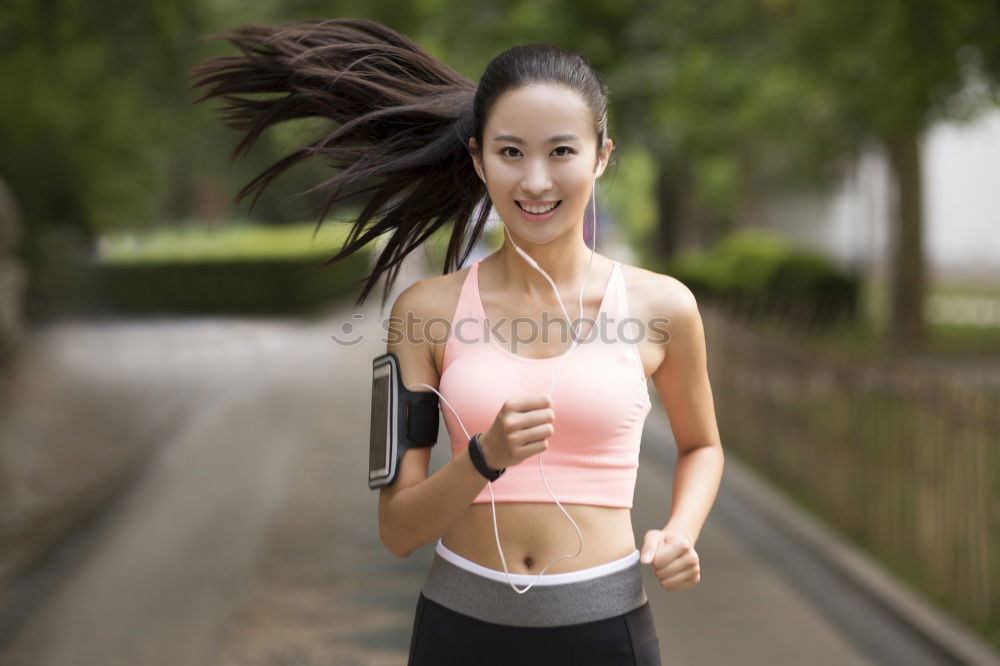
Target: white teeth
538	209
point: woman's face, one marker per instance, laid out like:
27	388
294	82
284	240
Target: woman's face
539	148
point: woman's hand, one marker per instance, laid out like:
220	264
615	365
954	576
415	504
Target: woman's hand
673	559
521	429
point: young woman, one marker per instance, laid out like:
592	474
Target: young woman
520	377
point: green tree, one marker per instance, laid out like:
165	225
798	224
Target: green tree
895	68
789	90
90	90
736	97
93	92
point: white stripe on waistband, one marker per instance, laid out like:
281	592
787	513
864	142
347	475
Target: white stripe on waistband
544	579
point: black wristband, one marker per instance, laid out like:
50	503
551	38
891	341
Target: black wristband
479	461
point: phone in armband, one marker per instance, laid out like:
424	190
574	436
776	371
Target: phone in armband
401	420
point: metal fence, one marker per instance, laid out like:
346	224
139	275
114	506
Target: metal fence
902	461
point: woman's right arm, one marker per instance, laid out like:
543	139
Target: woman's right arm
415	509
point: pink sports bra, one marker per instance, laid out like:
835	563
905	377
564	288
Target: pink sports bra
600	400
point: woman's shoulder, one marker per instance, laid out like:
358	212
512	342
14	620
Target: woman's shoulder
429	304
434	296
655	294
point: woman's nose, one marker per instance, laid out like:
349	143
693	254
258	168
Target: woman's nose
536	179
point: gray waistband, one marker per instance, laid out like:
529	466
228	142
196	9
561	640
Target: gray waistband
542	605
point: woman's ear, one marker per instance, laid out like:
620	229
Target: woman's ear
604	157
474	153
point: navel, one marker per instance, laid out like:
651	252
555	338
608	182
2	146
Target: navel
528	562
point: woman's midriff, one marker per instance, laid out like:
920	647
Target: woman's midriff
533	534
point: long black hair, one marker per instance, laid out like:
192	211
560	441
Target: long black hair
404	117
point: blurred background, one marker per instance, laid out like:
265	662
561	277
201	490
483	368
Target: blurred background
182	443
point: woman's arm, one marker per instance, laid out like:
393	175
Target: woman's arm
682	383
416	509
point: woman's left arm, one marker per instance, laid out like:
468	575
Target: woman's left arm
682	383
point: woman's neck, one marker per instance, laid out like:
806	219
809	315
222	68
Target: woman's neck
566	266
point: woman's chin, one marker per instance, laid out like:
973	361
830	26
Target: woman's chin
535	234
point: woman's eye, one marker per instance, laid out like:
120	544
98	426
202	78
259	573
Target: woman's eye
569	151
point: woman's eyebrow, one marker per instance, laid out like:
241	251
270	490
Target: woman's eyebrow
516	139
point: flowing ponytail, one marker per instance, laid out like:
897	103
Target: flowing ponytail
404	122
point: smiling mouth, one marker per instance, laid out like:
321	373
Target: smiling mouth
528	211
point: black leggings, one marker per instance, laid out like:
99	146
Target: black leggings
443	637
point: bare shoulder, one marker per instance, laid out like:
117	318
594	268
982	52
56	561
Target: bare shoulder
666	307
423	311
653	294
434	296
